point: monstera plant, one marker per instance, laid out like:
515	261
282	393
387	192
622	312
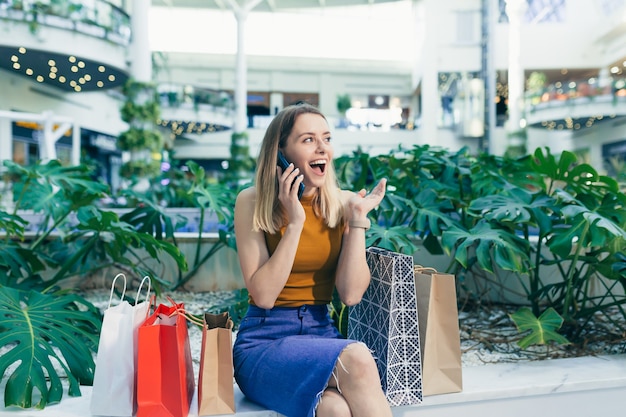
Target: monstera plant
505	218
44	327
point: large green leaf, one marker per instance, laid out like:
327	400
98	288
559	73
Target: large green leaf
394	238
40	330
583	228
12	225
395	210
117	236
101	238
432	213
542	329
154	220
55	189
492	247
217	199
17	262
516	207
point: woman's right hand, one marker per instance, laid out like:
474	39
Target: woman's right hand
288	182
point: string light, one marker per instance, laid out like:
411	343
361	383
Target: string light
66	72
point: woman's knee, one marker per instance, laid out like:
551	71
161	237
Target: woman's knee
332	404
357	360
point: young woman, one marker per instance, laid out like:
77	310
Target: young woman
293	252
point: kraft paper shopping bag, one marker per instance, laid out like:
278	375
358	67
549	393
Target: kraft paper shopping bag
114	384
440	339
215	381
165	378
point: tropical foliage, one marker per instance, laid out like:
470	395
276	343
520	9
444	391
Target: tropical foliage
553	226
500	219
74	237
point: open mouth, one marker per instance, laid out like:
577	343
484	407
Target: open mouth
318	166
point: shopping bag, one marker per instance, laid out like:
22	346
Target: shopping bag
216	394
386	321
165	376
440	339
113	392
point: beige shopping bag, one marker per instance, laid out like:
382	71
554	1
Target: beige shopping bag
440	339
215	380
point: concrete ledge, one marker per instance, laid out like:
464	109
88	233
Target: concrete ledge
575	387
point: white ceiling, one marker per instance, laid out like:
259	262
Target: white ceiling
266	5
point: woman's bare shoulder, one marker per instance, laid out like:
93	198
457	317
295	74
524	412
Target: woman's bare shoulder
247	194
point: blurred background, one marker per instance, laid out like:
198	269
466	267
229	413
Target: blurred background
497	76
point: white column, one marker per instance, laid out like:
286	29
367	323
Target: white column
241	71
241	74
76	145
431	102
6	139
47	149
515	10
604	80
141	56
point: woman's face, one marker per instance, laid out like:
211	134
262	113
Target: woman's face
309	148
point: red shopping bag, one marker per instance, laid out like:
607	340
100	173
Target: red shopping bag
165	378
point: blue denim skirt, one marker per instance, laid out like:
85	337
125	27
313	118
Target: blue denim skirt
284	357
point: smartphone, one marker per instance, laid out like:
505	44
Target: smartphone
283	163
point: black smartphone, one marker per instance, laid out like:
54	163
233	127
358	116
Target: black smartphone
283	163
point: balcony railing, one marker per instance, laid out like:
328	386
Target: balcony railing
575	91
179	95
96	18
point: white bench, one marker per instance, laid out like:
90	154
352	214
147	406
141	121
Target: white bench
576	387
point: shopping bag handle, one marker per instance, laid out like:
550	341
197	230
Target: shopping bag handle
146	278
420	268
180	310
113	288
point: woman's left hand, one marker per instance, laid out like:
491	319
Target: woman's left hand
362	203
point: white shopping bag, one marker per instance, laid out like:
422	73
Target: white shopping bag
114	384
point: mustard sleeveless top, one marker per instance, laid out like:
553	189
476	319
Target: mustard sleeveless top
312	277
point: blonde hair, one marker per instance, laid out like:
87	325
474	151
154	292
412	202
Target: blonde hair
268	212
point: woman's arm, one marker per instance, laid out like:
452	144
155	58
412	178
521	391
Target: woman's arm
353	274
263	275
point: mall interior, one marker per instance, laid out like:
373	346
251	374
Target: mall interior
485	74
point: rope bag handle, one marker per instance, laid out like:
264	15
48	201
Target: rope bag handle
113	288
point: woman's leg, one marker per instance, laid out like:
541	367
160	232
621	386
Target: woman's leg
332	404
356	378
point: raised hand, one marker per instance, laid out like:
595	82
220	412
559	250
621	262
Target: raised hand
362	203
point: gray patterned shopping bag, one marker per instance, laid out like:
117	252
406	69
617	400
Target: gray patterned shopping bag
386	321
